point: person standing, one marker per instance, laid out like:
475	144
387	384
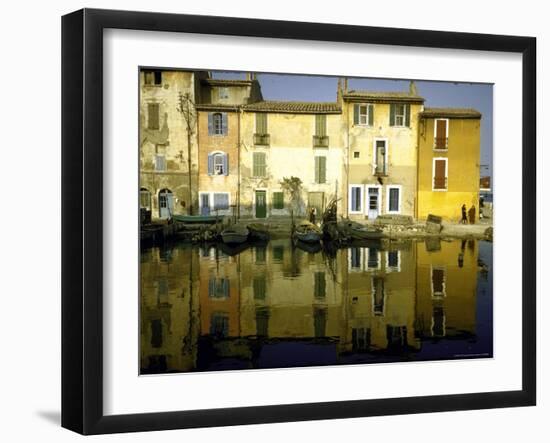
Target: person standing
464	220
472	214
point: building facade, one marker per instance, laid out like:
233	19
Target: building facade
448	162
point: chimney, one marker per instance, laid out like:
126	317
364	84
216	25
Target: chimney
412	88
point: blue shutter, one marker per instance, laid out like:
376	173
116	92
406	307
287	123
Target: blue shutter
224	123
353	199
355	114
225	164
210	125
210	163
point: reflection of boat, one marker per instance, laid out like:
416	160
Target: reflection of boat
308	247
357	231
233	248
196	218
307	232
258	231
235	234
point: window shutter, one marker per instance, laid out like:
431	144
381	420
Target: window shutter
407	115
356	114
210	125
153	115
322	169
261	123
371	115
224	123
210	163
225	164
317	169
321	125
392	114
353	199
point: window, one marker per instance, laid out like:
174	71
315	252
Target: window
363	114
355	255
153	78
400	114
259	287
394	199
156	333
219	324
356	199
258	164
218	163
373	258
356	154
144	198
260	253
261	123
393	261
217	123
440	168
160	162
153	116
320	169
360	338
441	134
380	157
438	282
319	285
320	139
221	201
223	93
278	200
378	296
218	288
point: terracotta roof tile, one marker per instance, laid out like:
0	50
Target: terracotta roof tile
450	113
295	107
382	96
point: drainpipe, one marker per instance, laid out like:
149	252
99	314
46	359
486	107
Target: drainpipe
239	111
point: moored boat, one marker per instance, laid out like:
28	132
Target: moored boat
258	231
357	231
205	219
307	232
235	234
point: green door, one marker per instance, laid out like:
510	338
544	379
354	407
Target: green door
261	204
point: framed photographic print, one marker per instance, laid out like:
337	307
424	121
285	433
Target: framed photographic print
273	221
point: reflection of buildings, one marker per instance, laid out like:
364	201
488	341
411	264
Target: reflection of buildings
274	305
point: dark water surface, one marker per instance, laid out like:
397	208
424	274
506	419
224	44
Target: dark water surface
273	305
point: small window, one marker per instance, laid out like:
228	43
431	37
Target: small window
259	168
355	255
278	200
356	154
394	200
259	286
393	263
260	253
356	199
153	116
221	201
153	78
218	164
218	288
160	162
219	324
363	114
217	123
144	198
400	114
223	93
373	258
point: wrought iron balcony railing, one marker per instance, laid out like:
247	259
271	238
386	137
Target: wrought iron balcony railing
441	143
262	139
320	141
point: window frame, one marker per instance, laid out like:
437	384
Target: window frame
446	149
273	200
396	268
157	157
362	197
255	155
215	116
366	114
396	115
223	96
386	156
149	126
218	156
443	283
400	201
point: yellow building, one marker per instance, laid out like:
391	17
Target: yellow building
448	162
382	134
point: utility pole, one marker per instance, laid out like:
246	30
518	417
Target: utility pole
186	107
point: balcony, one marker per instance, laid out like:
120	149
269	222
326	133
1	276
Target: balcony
261	139
380	171
441	143
320	141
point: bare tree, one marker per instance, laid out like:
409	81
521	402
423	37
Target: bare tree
186	108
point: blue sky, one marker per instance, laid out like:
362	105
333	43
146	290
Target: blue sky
437	94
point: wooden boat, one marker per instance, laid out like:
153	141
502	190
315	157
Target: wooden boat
235	234
258	232
311	247
357	231
307	232
205	219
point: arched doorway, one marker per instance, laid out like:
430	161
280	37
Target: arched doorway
166	203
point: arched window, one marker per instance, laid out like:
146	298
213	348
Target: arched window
217	120
144	198
217	163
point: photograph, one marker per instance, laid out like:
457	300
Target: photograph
291	220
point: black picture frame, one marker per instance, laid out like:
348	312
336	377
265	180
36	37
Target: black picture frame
82	218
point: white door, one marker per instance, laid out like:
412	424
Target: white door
166	203
373	202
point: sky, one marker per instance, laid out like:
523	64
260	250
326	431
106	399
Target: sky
437	94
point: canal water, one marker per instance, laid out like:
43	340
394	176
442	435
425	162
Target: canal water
210	308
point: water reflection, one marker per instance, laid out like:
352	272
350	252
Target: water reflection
272	305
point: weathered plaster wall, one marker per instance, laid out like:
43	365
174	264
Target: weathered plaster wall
463	156
170	139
